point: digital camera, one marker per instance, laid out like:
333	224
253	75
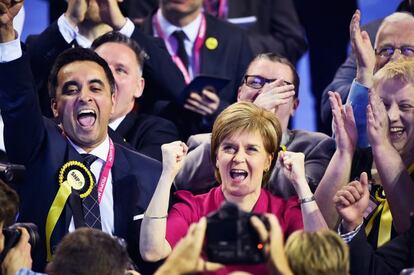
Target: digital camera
231	239
12	236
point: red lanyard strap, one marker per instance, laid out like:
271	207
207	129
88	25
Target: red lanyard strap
196	48
105	171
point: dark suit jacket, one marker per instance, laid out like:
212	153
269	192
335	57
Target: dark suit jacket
146	133
163	79
229	60
277	28
38	143
390	259
197	174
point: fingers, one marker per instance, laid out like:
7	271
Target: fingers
260	228
354	29
176	149
275	229
204	104
350	194
199	233
24	237
210	266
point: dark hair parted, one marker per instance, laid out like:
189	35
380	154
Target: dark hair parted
9	204
280	59
89	251
77	55
246	116
117	37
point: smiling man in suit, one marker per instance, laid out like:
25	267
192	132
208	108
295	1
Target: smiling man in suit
76	176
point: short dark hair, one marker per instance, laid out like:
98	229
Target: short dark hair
74	55
9	204
117	37
89	251
280	59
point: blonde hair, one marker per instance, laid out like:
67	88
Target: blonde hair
317	253
245	116
402	70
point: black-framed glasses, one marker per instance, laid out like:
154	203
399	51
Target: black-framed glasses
257	81
388	51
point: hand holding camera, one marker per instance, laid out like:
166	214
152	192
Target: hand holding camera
18	257
273	240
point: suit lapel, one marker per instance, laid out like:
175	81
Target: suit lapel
126	124
209	58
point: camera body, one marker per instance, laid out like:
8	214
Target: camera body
12	236
231	239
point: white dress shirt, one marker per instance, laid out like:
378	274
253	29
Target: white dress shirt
106	206
190	30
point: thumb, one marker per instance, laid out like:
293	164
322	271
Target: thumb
24	238
364	181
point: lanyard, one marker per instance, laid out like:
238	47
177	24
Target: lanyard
196	48
105	172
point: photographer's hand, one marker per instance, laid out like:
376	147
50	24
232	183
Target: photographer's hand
19	256
273	244
186	256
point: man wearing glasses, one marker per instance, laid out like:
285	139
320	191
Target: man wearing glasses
394	40
270	82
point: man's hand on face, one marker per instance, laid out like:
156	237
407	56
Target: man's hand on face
204	104
19	256
8	10
274	94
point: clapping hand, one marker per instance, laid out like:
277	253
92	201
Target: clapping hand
362	48
346	134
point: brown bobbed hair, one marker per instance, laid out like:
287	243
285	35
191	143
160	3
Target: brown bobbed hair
247	117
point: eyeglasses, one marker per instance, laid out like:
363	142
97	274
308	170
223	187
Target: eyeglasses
389	51
257	81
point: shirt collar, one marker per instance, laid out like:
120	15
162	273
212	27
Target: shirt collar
101	151
115	124
190	30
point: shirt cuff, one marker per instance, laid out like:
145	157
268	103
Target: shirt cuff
128	28
66	29
25	271
347	237
10	51
358	93
71	33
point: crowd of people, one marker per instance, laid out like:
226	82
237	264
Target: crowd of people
161	144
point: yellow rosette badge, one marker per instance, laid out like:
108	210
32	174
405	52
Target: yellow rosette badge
72	175
211	43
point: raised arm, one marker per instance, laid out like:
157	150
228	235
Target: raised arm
294	169
395	179
339	169
153	245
